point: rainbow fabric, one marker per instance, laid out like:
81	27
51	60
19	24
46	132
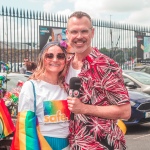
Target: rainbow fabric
27	135
56	111
6	124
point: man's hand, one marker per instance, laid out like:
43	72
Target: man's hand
108	112
75	105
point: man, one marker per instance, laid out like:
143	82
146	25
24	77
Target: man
59	37
23	68
103	96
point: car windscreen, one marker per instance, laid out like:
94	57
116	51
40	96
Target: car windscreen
141	77
138	68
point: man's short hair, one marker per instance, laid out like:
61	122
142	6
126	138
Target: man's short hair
80	14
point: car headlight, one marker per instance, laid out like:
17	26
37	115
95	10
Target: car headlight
132	103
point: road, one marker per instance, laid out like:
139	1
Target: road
138	137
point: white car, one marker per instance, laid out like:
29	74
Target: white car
12	80
137	81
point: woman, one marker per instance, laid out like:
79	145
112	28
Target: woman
31	66
51	99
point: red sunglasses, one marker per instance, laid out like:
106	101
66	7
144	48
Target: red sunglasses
59	56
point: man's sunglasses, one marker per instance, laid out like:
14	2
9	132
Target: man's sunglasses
59	56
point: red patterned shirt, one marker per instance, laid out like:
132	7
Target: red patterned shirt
102	85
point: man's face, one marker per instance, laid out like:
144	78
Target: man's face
59	37
25	60
79	34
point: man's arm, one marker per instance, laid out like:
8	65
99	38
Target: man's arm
109	112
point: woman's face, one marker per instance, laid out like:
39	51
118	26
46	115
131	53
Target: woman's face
54	60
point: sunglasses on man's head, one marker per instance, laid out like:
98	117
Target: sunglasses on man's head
59	56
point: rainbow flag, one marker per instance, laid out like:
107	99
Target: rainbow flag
27	135
6	124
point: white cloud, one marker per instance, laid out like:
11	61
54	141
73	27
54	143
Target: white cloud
139	17
122	6
66	12
129	11
49	6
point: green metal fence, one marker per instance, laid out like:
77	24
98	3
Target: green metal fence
19	37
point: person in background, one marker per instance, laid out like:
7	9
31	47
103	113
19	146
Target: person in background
23	68
103	97
30	66
59	37
51	99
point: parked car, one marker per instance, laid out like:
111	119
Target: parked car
137	81
143	68
13	79
140	108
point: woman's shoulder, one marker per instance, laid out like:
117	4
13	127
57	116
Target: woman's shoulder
28	84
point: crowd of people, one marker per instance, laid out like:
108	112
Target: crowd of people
103	97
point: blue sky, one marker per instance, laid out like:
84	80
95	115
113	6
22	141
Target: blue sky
129	11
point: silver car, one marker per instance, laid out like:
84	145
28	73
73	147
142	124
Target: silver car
143	68
137	81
